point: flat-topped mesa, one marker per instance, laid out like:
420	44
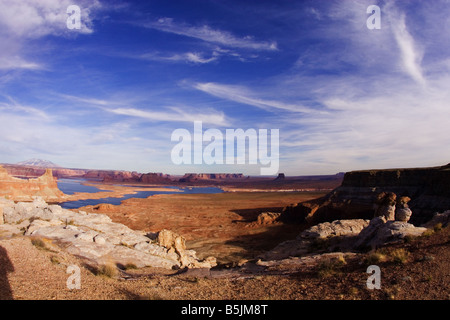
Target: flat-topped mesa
428	189
155	178
112	175
18	189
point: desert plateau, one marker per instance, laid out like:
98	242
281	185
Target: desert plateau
236	245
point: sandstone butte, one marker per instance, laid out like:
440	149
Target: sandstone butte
19	189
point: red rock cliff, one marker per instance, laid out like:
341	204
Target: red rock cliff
428	188
18	189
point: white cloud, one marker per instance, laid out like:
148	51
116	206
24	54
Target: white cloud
27	20
208	34
395	125
243	95
411	56
190	57
37	18
174	114
16	62
15	108
197	58
177	115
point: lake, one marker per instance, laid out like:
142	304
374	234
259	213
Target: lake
69	186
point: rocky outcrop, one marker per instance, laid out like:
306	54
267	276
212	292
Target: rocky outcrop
94	237
353	235
429	189
381	232
439	218
323	237
112	175
402	211
158	178
175	243
19	189
267	218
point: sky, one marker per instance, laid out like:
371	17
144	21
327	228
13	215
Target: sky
109	94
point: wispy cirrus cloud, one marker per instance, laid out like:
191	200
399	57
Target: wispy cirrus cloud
169	113
189	57
244	95
210	35
18	63
13	107
175	115
411	55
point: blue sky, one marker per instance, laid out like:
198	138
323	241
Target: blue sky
109	95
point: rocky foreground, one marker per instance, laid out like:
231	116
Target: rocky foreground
416	267
95	238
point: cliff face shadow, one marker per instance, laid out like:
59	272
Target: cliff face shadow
260	238
6	266
250	215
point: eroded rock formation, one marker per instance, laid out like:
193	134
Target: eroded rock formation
94	237
353	235
429	189
155	178
112	175
19	189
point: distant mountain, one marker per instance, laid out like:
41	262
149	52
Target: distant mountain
38	163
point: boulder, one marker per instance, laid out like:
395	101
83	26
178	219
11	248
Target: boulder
60	232
442	218
403	214
171	240
326	236
124	255
175	243
381	232
338	228
267	217
386	211
370	231
39	224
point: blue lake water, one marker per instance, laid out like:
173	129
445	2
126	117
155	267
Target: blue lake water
69	186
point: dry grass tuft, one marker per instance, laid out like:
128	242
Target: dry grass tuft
108	270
